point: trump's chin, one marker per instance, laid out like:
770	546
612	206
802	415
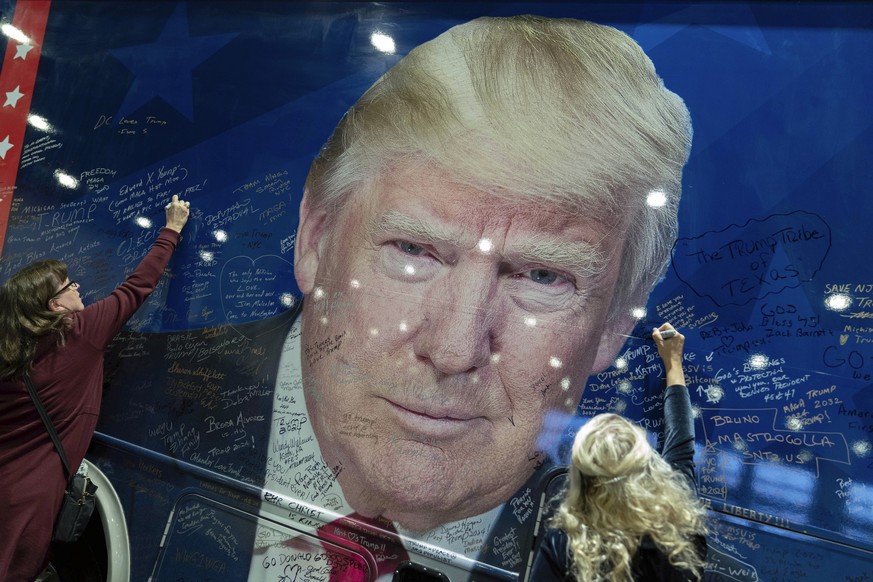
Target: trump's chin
420	496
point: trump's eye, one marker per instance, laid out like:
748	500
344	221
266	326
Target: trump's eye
542	290
408	261
542	276
410	248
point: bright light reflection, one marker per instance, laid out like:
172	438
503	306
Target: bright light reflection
565	384
485	245
66	180
374	331
207	256
14	33
625	387
838	302
403	326
143	222
323	320
495	358
383	42
39	122
638	312
555	362
656	198
318	293
758	361
569	403
410	270
714	393
287	299
794	423
861	448
355	284
530	321
621	363
220	235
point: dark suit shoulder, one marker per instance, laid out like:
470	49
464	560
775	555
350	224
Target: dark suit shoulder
651	563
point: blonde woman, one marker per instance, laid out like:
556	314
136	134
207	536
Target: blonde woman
628	512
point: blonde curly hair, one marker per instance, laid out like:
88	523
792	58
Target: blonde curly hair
620	490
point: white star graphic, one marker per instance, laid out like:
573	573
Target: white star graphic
5	146
21	51
13	96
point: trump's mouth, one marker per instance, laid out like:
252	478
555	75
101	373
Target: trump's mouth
434	421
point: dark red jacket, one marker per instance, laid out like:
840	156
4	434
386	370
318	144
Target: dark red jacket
69	382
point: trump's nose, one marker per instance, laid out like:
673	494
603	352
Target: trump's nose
456	333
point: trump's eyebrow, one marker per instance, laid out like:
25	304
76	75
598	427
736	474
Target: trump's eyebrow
578	257
417	230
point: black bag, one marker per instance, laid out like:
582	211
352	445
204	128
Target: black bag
76	510
79	500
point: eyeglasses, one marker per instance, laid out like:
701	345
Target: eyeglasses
72	284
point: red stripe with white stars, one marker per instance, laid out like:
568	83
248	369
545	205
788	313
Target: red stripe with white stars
17	79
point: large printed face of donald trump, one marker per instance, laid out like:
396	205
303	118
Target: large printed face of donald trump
458	319
468	242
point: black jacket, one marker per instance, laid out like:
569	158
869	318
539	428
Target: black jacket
552	562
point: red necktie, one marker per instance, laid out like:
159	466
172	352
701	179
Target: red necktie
374	538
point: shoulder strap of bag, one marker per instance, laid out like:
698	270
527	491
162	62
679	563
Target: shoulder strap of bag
48	423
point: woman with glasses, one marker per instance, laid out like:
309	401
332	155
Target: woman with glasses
48	334
630	514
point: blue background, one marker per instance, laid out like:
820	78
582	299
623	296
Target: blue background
227	103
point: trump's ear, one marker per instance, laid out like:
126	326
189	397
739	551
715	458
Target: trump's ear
613	338
307	247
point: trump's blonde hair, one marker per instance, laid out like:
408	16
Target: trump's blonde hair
551	109
620	489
